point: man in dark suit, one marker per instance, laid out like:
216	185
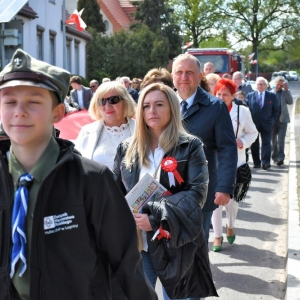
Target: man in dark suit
133	93
80	96
207	117
238	77
264	110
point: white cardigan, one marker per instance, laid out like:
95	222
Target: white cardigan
247	130
89	135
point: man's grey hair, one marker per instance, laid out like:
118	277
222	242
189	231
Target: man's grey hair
94	81
188	56
279	79
262	78
238	73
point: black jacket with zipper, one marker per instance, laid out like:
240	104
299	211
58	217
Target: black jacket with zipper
182	263
81	226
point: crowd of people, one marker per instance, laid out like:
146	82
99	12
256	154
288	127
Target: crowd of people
189	129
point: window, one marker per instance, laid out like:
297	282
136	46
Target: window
77	42
52	44
40	42
106	24
69	53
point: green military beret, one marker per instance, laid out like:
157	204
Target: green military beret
27	71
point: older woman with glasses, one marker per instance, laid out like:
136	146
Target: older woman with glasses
136	83
112	108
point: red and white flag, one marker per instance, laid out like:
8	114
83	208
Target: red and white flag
251	55
188	44
75	18
253	62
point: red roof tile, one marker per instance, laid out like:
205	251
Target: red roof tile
119	12
115	13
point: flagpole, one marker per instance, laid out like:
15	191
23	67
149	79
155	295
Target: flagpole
64	35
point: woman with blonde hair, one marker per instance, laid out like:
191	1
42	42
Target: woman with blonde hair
136	84
112	108
161	147
157	75
212	80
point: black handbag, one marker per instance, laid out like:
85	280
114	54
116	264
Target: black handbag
243	176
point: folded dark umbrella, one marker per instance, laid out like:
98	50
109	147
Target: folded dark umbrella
71	124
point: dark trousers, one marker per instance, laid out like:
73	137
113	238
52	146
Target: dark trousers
265	157
278	140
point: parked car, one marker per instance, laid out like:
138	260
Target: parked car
286	75
293	75
275	74
253	84
272	83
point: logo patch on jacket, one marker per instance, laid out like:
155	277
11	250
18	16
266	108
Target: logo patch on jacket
60	222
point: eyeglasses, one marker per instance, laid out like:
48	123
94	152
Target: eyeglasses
111	100
92	86
135	82
260	84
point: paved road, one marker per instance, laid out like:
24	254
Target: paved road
254	267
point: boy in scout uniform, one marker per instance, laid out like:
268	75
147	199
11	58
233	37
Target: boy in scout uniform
63	221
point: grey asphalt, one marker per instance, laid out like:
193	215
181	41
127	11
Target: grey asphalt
264	261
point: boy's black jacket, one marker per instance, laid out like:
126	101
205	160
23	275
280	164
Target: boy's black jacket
81	226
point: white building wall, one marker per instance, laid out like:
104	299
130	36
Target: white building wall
49	18
71	5
110	30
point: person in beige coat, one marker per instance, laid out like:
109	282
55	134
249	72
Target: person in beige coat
112	108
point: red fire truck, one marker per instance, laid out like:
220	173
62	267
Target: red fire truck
225	60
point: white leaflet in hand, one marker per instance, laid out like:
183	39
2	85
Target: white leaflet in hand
146	189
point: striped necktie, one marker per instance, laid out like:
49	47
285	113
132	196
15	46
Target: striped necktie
19	224
260	100
184	105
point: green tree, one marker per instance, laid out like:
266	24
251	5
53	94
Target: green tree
197	17
215	42
96	55
291	46
159	19
91	14
126	53
263	23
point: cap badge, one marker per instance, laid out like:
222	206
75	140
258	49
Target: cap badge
18	61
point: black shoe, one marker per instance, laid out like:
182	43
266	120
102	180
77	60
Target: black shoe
280	163
266	166
257	166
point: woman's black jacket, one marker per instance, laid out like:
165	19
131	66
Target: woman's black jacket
182	262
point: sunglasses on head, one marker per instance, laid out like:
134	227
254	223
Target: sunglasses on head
111	100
